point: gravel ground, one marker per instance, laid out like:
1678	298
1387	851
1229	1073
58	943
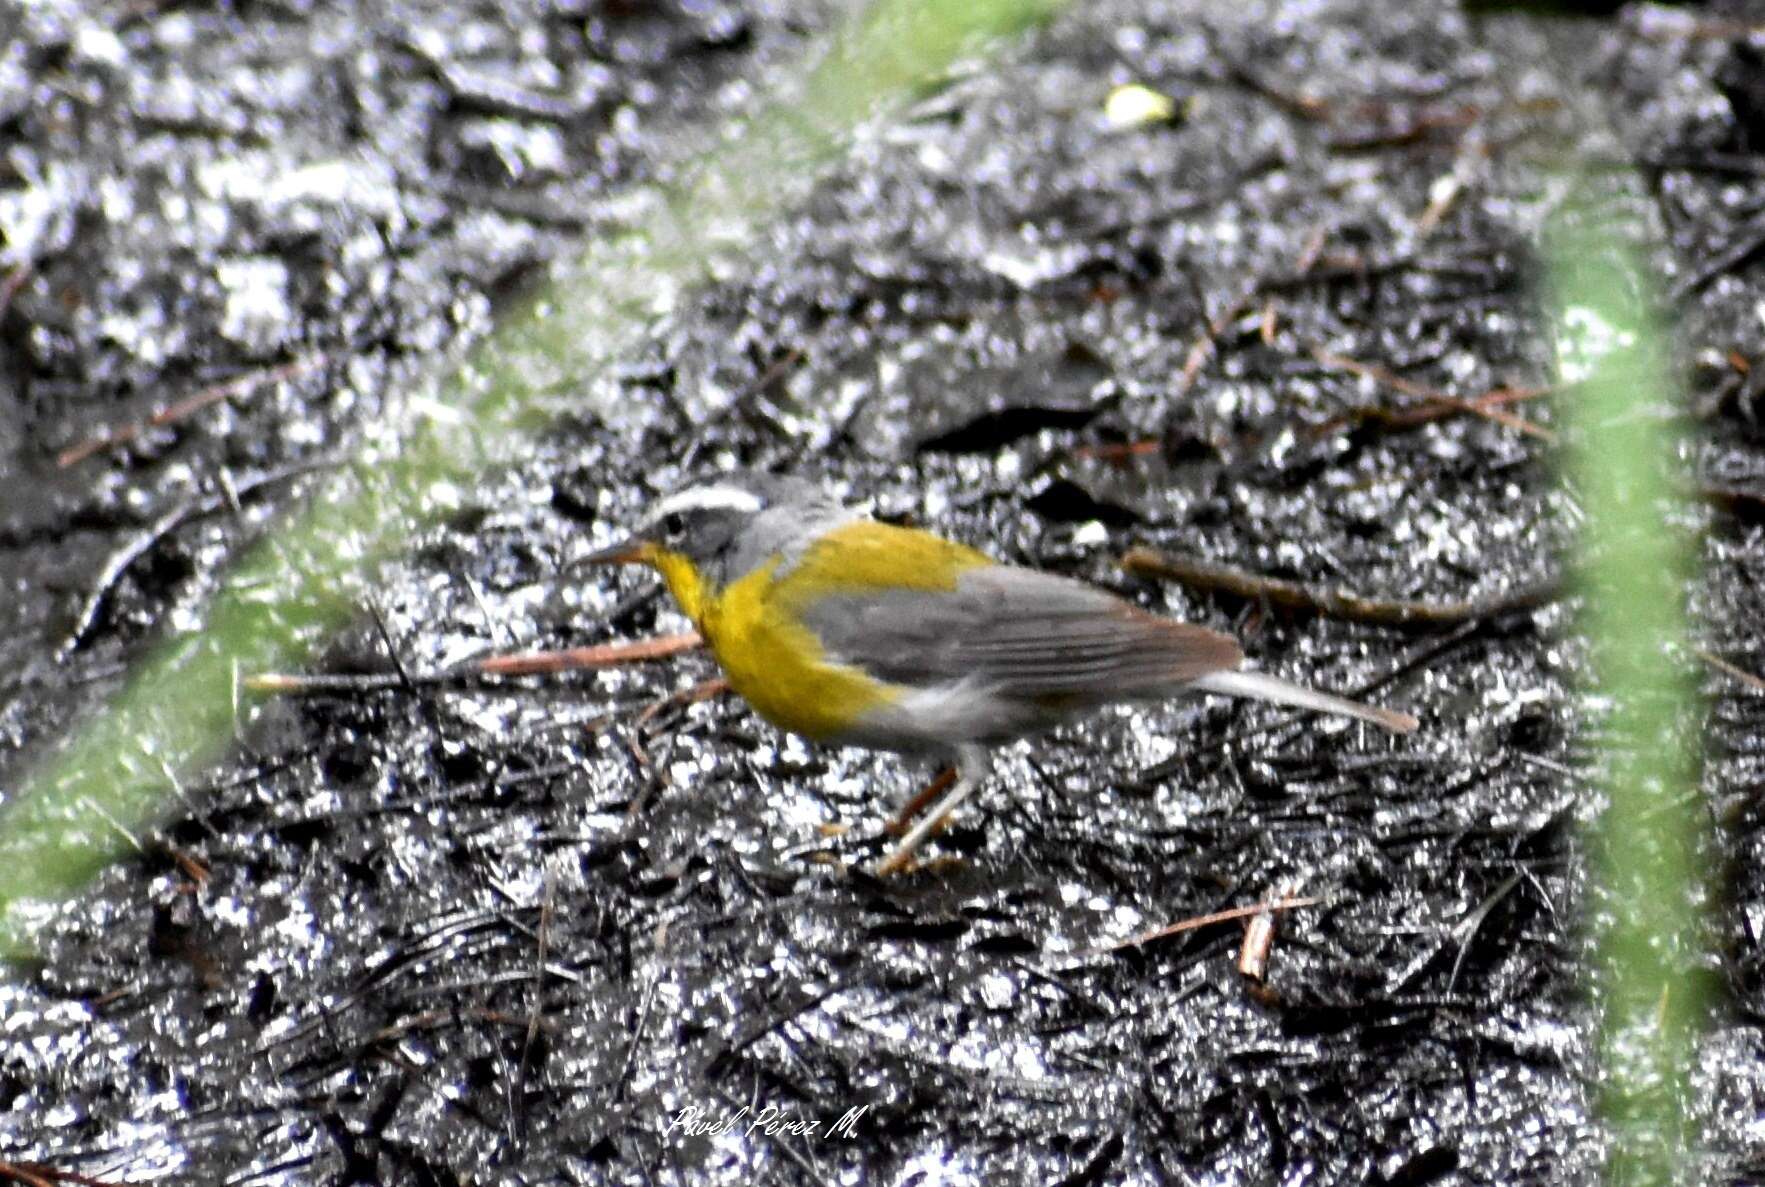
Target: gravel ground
525	930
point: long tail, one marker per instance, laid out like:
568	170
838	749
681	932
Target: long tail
1264	687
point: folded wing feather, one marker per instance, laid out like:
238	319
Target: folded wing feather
1027	634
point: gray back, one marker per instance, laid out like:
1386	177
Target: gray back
1024	634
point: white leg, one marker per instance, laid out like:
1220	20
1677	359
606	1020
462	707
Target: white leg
972	765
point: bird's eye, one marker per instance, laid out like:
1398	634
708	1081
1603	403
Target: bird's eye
674	524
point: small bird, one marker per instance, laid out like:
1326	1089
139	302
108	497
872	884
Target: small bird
859	633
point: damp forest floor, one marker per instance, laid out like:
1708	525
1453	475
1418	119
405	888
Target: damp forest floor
578	929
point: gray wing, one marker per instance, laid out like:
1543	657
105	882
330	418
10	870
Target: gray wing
1029	634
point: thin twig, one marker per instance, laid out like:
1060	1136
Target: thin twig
35	1174
380	628
1259	938
189	863
1311	250
605	655
214	394
1480	407
1666	25
1309	107
441	1018
1444	193
1750	242
135	549
1118	452
1212	577
1428	413
127	555
636	740
1339	267
1209	920
1206	345
529	663
920	802
778	370
25	1173
15	280
1722	665
643	1018
518	1084
704	690
1467	928
1203	348
300	684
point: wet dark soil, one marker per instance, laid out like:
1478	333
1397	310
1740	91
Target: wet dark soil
529	931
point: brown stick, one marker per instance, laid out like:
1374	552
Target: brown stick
1253	953
25	1173
1722	665
242	385
1201	921
1410	418
605	655
1211	577
531	663
1259	938
1308	107
1203	348
919	803
35	1174
14	281
1478	407
704	690
1414	417
191	865
1118	452
1666	27
135	549
1312	250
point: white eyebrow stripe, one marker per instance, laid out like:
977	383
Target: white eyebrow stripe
710	498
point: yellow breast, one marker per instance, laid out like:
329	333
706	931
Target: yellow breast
778	665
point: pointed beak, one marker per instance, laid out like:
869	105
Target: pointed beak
627	552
